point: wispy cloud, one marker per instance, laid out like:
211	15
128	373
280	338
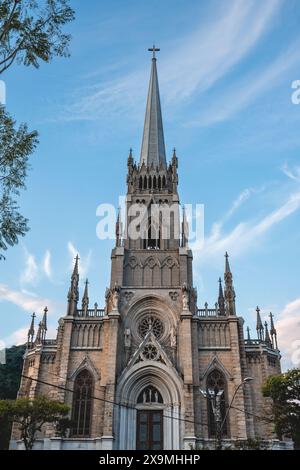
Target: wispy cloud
206	54
25	300
84	262
288	329
19	336
293	174
47	264
250	88
244	234
33	270
30	272
211	51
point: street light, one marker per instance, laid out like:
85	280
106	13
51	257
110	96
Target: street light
215	400
244	381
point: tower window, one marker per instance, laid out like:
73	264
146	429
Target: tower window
82	404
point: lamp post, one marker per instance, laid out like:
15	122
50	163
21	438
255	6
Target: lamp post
215	400
244	381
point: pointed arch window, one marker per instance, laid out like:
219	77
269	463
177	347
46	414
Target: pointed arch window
216	383
82	404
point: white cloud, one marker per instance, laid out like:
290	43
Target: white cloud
245	233
84	261
19	336
293	174
47	264
211	51
30	273
33	270
26	301
288	332
196	62
242	94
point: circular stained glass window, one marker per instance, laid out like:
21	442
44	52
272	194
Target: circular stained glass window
150	352
150	323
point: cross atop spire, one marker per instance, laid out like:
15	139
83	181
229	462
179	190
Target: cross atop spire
153	145
153	49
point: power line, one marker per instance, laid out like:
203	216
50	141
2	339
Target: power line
111	401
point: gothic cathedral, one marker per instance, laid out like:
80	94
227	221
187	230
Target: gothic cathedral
152	370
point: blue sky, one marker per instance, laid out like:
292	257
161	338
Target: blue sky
226	69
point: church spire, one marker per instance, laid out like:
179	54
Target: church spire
273	332
267	336
221	300
259	325
229	289
30	334
85	298
184	229
119	229
44	324
153	145
73	294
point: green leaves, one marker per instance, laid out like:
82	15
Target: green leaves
31	415
32	31
16	145
284	389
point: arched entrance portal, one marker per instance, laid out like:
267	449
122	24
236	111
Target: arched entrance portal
149	422
150	419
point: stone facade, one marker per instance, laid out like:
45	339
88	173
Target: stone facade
151	350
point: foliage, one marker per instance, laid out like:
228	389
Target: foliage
31	415
16	145
62	426
250	444
10	375
31	31
10	372
284	389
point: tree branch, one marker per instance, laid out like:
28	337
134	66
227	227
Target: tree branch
7	24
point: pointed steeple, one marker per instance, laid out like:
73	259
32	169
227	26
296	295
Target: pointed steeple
248	334
73	294
184	229
85	298
119	229
273	332
221	300
38	338
229	289
153	145
259	325
44	324
30	334
267	336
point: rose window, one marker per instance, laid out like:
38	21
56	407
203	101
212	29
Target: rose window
150	352
150	323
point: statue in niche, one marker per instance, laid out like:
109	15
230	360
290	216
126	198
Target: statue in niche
173	337
127	337
185	297
115	297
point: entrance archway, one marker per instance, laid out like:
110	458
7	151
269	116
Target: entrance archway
149	422
151	419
